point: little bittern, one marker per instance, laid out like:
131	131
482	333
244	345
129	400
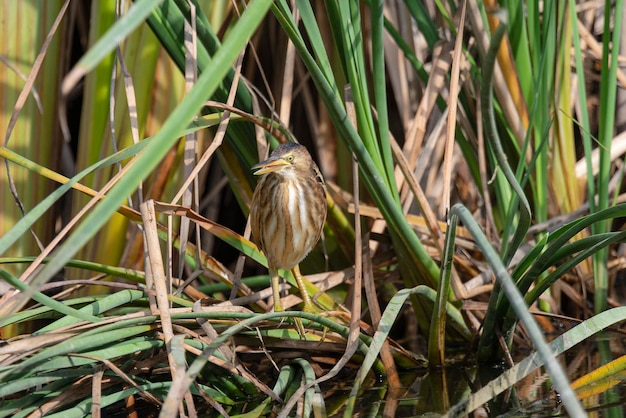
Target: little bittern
288	213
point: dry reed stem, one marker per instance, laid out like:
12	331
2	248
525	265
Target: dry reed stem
154	260
453	102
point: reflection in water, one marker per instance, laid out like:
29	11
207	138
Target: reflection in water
434	391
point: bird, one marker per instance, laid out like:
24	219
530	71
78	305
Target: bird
287	213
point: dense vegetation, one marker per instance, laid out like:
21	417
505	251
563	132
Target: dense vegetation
473	158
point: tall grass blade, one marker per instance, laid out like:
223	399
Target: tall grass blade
516	299
608	85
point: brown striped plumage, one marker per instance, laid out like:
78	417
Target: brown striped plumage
288	212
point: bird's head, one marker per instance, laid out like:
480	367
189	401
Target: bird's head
287	156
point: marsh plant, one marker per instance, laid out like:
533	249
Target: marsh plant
472	153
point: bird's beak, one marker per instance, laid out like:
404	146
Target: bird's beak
269	165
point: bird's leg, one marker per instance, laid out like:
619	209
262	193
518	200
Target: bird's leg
306	298
275	280
278	307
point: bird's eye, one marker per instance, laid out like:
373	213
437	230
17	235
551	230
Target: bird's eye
290	158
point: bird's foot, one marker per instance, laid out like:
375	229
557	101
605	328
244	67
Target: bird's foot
278	307
310	307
